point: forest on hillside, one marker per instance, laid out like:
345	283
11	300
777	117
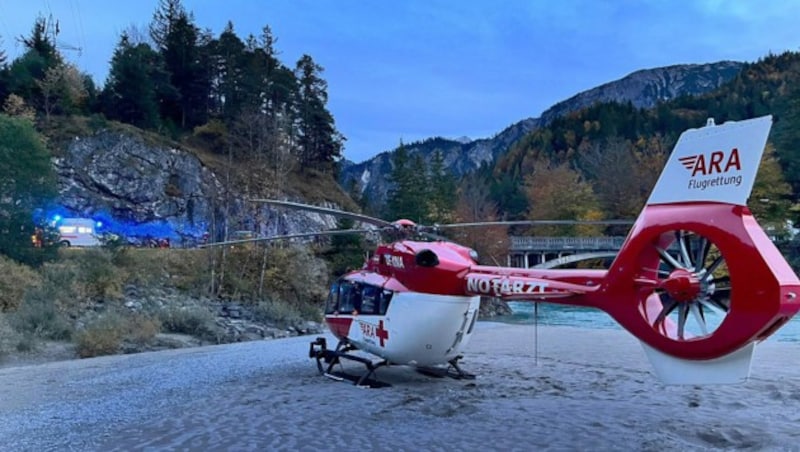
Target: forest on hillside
226	95
233	93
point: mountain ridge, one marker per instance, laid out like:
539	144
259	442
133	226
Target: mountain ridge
643	88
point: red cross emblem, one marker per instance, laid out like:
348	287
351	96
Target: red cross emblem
383	334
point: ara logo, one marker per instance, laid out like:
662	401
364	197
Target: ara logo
714	163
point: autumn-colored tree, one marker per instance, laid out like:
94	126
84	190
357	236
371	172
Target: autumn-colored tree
475	205
62	89
622	173
16	106
771	199
558	192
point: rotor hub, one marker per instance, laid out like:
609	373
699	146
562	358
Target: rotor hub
682	285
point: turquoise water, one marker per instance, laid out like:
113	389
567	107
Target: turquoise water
554	314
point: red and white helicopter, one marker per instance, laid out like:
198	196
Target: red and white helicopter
697	280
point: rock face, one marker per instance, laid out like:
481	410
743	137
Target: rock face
493	307
648	87
643	89
142	190
138	189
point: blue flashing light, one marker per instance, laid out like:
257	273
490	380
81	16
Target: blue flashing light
56	218
98	224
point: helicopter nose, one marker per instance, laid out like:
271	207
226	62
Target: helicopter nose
426	258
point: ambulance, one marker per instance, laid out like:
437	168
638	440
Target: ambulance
77	232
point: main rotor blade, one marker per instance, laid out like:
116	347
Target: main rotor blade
289	236
527	223
325	210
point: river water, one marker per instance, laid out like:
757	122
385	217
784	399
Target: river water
555	314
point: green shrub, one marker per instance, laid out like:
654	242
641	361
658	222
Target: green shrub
141	329
61	281
8	337
15	279
277	312
183	269
97	276
101	337
39	316
195	321
289	273
106	333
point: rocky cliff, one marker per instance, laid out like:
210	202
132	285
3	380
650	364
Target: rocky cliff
140	189
646	88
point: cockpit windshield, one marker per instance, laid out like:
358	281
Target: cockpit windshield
348	297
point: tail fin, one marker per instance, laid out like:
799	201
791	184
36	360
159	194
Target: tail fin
714	163
707	282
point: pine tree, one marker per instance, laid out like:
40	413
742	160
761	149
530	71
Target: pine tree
3	60
136	83
24	72
319	142
3	73
442	202
163	22
228	57
178	40
406	198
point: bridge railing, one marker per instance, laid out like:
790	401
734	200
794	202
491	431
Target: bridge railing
519	243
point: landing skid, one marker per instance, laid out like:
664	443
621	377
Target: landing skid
453	370
327	359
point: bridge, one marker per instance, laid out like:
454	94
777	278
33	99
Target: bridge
549	252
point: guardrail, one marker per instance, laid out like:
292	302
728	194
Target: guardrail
519	243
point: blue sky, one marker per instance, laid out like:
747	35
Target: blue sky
409	70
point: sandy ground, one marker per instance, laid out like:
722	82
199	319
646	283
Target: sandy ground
588	390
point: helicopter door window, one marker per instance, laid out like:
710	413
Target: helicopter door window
383	304
370	302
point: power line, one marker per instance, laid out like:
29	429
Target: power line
76	16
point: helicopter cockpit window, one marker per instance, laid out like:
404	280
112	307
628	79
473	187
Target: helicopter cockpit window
346	297
349	297
332	303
